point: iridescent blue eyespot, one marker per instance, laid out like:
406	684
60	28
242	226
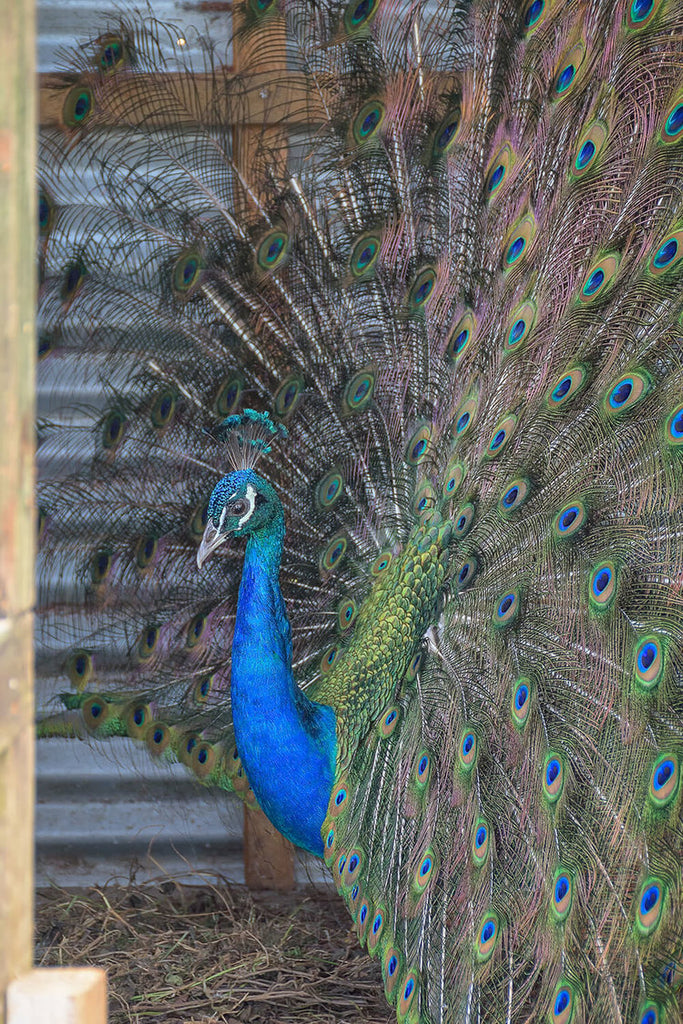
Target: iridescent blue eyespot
586	154
496	177
506	604
640	9
426	866
407	991
601	580
515	249
533	13
561	888
674	122
665	254
354	892
480	837
329	842
594	281
377	924
565	78
468	743
620	393
649	899
552	771
521	696
561	1002
392	965
390	717
649	1017
462	422
422	767
363	913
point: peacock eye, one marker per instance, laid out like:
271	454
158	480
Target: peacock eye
238	508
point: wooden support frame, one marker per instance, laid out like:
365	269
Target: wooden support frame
254	97
17	522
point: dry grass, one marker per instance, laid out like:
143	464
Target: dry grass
199	954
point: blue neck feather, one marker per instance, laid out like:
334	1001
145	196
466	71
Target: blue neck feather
287	743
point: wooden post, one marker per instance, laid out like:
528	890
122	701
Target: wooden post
268	856
60	995
17	519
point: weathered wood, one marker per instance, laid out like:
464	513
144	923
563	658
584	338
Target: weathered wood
58	995
177	99
268	857
17	521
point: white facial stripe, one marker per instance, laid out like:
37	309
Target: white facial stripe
251	499
222	519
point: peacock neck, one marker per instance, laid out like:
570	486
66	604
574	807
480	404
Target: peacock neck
287	742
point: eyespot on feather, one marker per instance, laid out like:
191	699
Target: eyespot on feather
674	426
455	474
500	436
359	14
464	418
78	106
667	253
376	929
273	250
562	1004
418	446
461	337
463	520
599	278
514	495
665	780
520	704
568	71
602	585
392	971
640	13
591	145
359	391
95	712
521	323
368	121
553	777
562	895
195	630
329	490
629	389
506	609
422	288
288	395
567	387
467	750
672	126
407	994
649	905
519	241
480	843
137	717
499	170
347	612
388	721
187	273
113	54
569	520
228	396
100	567
487	937
333	554
533	14
79	667
157	738
146	642
364	256
648	662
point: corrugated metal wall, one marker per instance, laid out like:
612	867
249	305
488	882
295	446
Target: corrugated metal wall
107	810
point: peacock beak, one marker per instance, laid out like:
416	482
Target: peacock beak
212	539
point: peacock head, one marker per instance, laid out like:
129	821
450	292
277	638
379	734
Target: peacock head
241	504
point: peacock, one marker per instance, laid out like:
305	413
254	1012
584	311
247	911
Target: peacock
375	516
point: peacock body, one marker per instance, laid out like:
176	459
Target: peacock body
454	666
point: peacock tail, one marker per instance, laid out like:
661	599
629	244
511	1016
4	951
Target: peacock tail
460	292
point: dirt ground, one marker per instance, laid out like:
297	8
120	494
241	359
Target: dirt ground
182	954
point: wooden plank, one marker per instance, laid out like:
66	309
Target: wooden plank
178	99
17	520
60	995
268	856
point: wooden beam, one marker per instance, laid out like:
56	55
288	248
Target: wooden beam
60	995
268	856
178	99
17	519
